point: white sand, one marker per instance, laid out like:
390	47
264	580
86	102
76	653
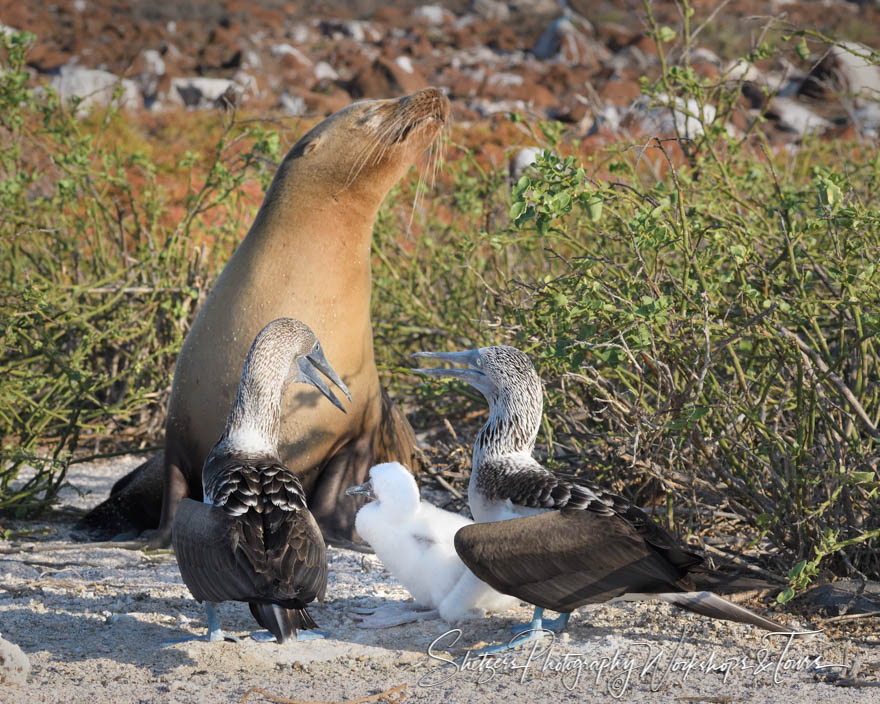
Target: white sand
92	622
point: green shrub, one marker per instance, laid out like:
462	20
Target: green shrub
704	313
711	332
97	292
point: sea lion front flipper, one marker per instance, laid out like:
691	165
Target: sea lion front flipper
174	489
134	505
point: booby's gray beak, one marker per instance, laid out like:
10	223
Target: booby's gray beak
471	369
365	489
310	364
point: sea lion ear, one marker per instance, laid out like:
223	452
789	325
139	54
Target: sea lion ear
310	147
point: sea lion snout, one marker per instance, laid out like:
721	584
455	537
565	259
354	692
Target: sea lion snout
428	102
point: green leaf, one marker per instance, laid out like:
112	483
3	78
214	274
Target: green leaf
666	34
861	477
797	570
560	202
517	209
803	50
785	596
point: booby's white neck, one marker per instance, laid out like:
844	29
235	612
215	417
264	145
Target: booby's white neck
512	428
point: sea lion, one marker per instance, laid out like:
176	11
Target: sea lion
307	256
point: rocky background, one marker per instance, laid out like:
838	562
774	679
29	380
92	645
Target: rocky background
576	62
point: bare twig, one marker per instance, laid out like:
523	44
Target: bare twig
849	617
838	383
745	564
392	696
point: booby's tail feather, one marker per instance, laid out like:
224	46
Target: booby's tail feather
720	583
714	606
280	622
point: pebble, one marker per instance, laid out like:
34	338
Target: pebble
14	664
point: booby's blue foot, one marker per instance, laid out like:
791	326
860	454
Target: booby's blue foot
533	633
538	622
311	635
267	637
215	633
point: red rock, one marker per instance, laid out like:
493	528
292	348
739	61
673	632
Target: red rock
705	69
46	57
321	103
645	44
384	79
619	92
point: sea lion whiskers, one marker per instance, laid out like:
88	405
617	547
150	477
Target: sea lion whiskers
406	119
436	157
388	135
363	157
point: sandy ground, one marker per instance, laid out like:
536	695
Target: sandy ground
93	620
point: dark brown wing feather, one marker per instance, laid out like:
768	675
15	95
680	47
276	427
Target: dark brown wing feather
205	554
258	532
562	560
539	488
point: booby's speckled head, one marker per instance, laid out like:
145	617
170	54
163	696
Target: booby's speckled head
284	350
507	379
496	372
393	486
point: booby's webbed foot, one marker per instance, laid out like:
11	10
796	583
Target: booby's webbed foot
396	615
548	624
525	633
215	634
532	633
267	637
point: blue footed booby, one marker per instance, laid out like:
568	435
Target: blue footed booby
414	540
254	539
570	542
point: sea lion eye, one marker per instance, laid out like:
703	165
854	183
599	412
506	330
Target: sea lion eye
303	149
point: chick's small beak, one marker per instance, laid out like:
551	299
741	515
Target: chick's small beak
365	489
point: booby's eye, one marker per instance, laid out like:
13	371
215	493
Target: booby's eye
479	363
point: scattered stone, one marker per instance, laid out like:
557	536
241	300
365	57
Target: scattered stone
384	79
792	116
203	93
677	117
567	40
14	664
521	161
836	596
845	69
433	14
94	88
491	10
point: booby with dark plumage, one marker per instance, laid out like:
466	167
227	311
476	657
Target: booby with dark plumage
573	542
415	541
254	539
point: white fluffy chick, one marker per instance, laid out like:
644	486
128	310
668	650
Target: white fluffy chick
414	540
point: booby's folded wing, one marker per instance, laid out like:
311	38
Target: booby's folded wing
536	487
562	560
206	555
524	482
271	528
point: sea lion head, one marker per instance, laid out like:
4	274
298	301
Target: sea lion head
367	146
